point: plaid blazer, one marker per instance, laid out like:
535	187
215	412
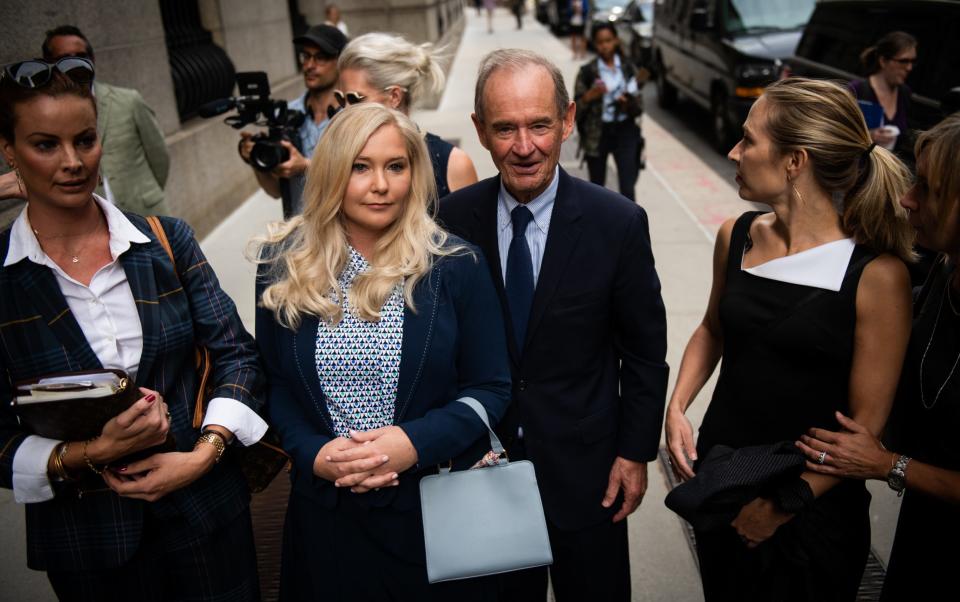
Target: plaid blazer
39	335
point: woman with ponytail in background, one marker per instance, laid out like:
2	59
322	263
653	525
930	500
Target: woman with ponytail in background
810	311
385	68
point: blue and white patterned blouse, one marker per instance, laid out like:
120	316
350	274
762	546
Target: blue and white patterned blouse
358	362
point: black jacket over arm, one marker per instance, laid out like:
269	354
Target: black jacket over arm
591	380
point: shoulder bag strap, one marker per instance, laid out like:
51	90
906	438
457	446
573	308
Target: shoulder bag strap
204	365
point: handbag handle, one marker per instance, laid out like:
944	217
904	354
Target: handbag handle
481	411
203	359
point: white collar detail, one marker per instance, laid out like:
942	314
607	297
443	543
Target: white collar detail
823	266
24	244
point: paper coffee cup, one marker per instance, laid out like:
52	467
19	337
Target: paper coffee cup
891	130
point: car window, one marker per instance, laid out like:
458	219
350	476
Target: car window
757	16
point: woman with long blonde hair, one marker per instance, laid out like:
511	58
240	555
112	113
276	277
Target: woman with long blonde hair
810	311
372	323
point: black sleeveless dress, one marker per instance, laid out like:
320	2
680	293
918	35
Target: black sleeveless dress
787	355
439	150
925	428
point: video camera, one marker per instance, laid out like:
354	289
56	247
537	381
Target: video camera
254	100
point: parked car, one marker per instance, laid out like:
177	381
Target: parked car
721	54
839	31
633	20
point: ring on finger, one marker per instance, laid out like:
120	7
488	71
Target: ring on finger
821	457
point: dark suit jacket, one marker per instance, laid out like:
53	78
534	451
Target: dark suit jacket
591	381
39	335
453	346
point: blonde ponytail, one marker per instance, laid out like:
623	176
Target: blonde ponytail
866	181
390	60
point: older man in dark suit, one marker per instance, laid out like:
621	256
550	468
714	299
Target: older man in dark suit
585	323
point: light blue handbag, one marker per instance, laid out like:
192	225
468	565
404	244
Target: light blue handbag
483	521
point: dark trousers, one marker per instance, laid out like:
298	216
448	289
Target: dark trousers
174	564
353	553
623	140
588	564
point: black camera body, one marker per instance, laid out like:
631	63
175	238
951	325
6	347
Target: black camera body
253	102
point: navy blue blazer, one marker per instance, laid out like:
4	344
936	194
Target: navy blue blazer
453	346
39	335
591	381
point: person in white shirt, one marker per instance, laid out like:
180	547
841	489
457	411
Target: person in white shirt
334	18
85	286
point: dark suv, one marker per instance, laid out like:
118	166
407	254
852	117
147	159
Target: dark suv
839	31
721	54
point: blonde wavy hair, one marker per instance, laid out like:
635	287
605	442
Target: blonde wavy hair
866	182
390	60
306	254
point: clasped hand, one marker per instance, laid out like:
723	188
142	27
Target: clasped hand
758	520
367	459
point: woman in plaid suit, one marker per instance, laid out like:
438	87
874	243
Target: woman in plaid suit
85	286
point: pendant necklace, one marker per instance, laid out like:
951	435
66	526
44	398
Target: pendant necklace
923	400
74	257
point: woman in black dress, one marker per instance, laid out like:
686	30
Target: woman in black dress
923	458
810	310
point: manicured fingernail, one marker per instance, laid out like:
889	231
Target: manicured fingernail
335	484
395	483
150	398
384	458
395	476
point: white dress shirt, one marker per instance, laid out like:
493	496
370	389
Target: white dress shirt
542	209
107	315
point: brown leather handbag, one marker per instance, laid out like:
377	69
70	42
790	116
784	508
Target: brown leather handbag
260	462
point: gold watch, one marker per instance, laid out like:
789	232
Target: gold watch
216	440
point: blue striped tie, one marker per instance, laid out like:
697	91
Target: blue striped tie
519	280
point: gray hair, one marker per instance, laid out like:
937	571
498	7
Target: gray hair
517	59
389	60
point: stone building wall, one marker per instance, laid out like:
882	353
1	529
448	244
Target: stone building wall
207	179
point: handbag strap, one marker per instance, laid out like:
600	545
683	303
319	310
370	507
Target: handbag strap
481	411
203	354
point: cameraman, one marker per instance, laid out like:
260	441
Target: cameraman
317	51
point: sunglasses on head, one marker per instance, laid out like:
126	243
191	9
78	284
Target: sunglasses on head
36	73
348	98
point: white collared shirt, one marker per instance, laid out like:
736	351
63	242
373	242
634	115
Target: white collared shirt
616	86
107	314
542	209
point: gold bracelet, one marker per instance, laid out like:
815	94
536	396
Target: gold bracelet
86	458
59	472
61	460
216	440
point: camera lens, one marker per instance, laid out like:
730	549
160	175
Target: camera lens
267	154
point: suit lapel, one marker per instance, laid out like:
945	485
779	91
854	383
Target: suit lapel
417	336
304	353
561	241
138	264
40	286
104	103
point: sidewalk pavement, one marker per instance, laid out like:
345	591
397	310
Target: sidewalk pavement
686	202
